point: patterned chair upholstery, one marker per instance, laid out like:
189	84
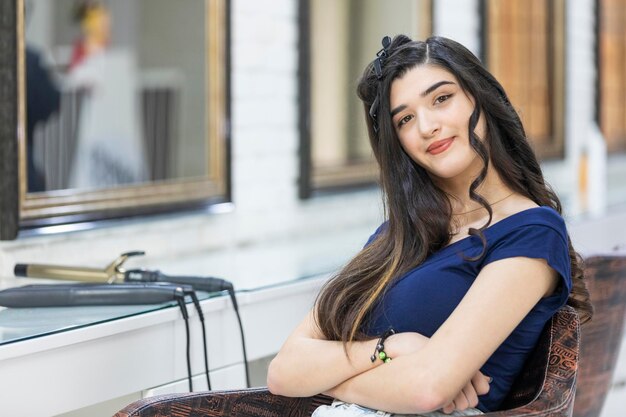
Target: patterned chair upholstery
545	388
600	339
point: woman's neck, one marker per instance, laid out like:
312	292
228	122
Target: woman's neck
492	189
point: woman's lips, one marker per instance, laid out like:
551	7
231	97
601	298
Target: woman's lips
439	146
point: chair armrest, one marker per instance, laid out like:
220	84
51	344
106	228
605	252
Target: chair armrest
249	403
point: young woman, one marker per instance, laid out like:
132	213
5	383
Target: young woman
472	261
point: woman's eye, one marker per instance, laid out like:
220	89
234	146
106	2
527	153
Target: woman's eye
404	120
443	98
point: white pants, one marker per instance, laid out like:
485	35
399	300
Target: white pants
341	409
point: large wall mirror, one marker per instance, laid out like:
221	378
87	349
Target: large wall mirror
121	107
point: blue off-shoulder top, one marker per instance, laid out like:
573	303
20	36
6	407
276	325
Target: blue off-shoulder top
423	298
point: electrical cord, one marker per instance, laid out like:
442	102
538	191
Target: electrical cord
208	284
196	303
231	292
185	313
188	290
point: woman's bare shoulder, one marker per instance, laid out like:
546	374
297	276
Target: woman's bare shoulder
517	203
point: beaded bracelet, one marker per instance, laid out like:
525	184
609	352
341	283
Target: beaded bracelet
379	351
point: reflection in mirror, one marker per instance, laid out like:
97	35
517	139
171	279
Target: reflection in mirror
116	93
111	109
346	33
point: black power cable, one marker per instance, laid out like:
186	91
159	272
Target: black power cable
196	303
231	292
188	290
185	313
208	284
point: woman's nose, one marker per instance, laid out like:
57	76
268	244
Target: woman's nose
427	124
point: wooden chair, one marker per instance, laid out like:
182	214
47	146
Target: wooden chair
545	387
600	339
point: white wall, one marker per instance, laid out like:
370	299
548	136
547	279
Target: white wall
458	20
579	103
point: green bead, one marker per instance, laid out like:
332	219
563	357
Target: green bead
382	355
387	360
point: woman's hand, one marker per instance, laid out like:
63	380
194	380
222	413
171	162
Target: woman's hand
468	397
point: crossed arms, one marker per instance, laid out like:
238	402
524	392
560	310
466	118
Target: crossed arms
425	374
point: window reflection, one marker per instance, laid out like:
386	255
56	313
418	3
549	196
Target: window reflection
344	37
525	52
116	93
611	73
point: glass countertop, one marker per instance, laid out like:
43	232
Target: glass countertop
17	324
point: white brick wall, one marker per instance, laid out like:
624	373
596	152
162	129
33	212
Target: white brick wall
458	20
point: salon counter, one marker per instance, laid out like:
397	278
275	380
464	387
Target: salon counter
56	360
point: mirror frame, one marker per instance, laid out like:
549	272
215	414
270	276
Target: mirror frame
22	210
9	201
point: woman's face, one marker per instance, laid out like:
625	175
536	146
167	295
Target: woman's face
430	113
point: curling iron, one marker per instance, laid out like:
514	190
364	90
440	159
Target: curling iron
114	272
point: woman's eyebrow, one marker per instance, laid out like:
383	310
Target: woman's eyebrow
398	109
423	94
434	87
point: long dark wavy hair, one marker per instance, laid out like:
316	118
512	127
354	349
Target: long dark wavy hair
419	213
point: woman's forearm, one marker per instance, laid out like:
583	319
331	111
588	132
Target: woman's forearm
307	366
395	387
410	383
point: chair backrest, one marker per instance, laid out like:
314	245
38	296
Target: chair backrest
600	344
547	383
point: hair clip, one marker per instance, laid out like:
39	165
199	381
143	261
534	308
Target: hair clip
381	56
